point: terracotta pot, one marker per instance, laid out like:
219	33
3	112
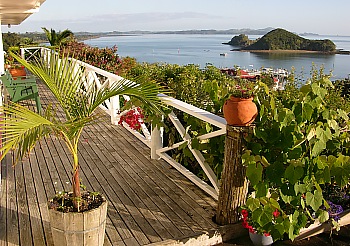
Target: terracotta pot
260	240
240	111
79	229
17	72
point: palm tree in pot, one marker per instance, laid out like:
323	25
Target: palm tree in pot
22	128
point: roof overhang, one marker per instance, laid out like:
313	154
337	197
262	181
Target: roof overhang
14	12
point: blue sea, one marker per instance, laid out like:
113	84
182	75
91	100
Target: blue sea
208	49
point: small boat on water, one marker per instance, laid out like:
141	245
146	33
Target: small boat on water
223	54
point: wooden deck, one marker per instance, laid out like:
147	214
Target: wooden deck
149	201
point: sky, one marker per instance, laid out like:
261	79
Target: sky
299	16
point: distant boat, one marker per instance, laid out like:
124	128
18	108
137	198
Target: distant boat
223	54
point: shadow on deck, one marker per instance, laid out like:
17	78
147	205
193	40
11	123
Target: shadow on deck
149	201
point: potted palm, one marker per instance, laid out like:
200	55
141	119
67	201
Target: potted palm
22	129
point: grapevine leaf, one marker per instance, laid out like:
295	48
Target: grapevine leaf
314	200
307	111
318	147
261	190
273	172
343	114
323	216
293	174
300	188
254	173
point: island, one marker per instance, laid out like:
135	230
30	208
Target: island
282	40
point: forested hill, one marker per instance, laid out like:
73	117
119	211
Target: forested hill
280	39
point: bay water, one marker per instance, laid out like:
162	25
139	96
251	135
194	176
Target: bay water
206	49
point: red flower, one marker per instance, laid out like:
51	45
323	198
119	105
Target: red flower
267	234
244	213
133	118
276	213
245	224
251	229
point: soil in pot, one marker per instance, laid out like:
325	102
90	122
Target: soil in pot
63	202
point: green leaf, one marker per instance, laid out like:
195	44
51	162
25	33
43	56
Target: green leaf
261	190
305	88
326	114
321	162
263	216
314	200
323	176
295	153
278	232
256	148
285	117
318	147
300	188
273	172
307	111
293	174
253	203
319	91
343	114
254	173
323	216
322	134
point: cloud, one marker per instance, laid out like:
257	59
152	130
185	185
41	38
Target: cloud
127	22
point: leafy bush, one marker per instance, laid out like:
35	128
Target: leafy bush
106	58
301	143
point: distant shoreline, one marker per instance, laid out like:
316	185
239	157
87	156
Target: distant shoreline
294	51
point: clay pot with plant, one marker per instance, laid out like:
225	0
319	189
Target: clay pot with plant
23	128
15	69
239	109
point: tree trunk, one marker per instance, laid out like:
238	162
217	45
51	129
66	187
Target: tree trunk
76	188
234	184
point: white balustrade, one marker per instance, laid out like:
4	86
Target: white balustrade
101	78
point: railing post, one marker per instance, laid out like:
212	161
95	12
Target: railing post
156	141
234	184
114	109
22	53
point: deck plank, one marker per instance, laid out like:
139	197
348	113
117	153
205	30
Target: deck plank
3	204
34	210
12	212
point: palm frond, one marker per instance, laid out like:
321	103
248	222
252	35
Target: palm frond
67	81
21	128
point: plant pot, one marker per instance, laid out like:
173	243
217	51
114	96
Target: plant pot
84	229
260	240
240	111
17	72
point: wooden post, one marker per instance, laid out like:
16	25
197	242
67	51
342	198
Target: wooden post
234	184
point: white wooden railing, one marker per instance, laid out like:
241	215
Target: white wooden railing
153	138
